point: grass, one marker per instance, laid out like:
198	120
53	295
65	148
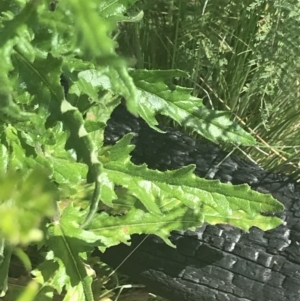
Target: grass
242	57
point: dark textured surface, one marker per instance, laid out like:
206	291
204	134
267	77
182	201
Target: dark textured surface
215	263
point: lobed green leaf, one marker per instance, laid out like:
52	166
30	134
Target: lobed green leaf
157	96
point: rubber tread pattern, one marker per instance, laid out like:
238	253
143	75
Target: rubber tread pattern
214	263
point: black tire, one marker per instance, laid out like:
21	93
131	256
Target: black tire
214	263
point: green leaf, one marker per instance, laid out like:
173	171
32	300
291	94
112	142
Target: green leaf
94	28
44	74
158	97
113	78
110	8
4	158
49	274
66	171
9	111
217	202
68	240
115	229
11	27
92	83
114	10
25	201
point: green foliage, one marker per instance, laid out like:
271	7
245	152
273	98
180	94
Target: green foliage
55	173
24	202
179	105
242	57
212	201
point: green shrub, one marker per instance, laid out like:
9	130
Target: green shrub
55	171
